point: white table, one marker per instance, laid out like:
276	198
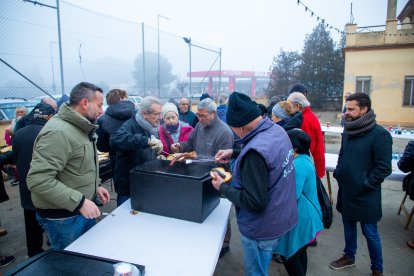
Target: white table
331	159
339	129
165	246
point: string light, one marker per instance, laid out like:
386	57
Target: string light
312	13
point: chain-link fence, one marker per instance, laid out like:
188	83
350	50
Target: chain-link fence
96	48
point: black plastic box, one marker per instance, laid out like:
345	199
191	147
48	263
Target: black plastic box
62	263
182	191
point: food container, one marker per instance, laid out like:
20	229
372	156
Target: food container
62	262
182	191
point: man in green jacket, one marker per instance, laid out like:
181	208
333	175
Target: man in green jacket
63	176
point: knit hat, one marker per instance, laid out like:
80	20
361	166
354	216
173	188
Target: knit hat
242	110
167	107
262	107
205	96
299	88
279	112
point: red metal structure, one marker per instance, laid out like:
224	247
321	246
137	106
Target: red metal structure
232	76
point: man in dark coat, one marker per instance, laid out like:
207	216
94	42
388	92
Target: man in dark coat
135	143
363	164
119	110
23	141
185	113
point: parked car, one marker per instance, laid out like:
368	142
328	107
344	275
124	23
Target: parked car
135	99
8	106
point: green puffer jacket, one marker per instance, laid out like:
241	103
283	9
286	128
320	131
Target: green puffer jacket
64	166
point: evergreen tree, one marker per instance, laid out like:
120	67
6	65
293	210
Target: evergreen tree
321	69
151	73
284	73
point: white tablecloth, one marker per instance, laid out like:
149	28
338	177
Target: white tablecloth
165	246
331	160
339	129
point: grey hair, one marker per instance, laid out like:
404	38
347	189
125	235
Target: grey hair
223	98
208	104
299	98
147	102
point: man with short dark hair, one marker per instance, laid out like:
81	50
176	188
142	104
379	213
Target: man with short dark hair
64	173
363	164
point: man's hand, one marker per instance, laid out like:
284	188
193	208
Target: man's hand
223	156
89	210
217	181
156	145
103	194
176	147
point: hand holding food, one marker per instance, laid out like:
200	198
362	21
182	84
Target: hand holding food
226	176
155	144
183	156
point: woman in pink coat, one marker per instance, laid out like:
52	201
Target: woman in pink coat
172	130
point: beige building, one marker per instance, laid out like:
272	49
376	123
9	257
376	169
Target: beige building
381	63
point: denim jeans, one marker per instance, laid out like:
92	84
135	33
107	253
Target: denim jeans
121	199
257	255
62	232
370	231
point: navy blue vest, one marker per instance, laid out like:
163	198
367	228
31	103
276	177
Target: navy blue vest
280	214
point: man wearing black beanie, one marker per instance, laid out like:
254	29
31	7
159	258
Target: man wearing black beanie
263	187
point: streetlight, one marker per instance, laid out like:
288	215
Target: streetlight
158	31
188	41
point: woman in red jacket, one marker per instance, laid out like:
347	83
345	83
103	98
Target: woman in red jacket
172	130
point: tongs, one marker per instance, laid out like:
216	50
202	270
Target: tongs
205	160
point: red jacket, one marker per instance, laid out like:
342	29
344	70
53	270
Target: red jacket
164	135
312	127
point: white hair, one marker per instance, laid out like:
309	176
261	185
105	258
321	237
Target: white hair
147	102
208	104
299	98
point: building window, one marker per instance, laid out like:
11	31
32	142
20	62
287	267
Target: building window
363	85
408	99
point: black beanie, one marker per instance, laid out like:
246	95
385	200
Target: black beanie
299	88
241	110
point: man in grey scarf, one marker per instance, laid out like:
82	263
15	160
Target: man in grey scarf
364	161
136	143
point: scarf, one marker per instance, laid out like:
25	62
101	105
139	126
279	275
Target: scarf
361	125
145	125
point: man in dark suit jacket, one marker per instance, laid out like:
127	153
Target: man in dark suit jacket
23	141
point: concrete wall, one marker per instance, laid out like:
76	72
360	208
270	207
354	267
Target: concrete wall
387	68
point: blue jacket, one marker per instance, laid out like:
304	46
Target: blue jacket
222	112
309	210
280	214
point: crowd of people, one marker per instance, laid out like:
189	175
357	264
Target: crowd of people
276	156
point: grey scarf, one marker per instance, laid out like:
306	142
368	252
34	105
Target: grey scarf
363	124
145	125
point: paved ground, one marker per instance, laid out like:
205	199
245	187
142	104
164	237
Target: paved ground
398	258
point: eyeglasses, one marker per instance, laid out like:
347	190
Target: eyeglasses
184	104
202	116
156	114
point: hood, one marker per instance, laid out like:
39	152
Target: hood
121	110
69	115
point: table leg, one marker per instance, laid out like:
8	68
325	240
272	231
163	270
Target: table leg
328	178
